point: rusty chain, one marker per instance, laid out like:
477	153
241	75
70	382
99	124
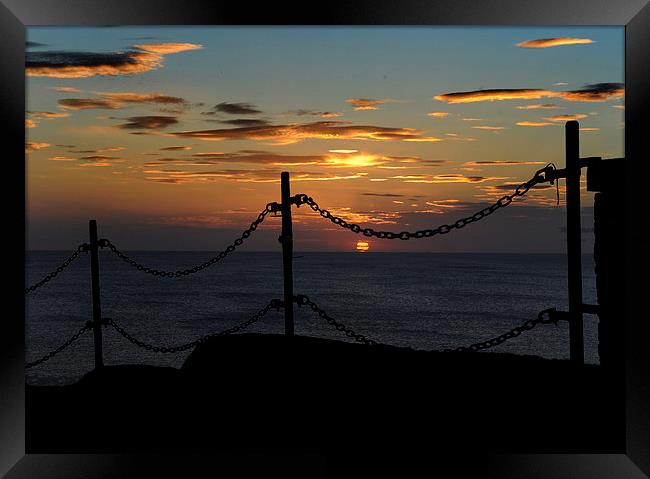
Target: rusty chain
83	248
53	353
302	299
270	207
273	304
539	177
513	333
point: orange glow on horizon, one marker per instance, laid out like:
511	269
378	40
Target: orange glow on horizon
363	246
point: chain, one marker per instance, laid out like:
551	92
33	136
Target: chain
527	326
171	274
301	299
273	304
522	189
553	317
81	249
49	355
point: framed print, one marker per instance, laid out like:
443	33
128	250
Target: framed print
360	237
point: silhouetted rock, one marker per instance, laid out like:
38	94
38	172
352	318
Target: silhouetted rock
272	393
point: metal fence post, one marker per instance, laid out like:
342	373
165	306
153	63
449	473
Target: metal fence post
287	253
574	247
94	283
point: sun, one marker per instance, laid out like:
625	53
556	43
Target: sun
363	246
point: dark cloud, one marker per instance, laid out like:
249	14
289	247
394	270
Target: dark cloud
595	93
148	122
29	44
319	130
323	114
176	148
245	122
80	64
116	100
139	97
236	109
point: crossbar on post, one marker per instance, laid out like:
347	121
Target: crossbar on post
286	239
94	284
574	247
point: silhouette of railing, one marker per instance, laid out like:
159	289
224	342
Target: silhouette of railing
548	174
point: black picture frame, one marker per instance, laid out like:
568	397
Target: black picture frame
15	15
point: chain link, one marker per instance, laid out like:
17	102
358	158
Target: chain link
539	177
301	299
81	249
513	333
175	274
273	304
51	354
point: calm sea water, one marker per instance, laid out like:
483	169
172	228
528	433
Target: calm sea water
421	300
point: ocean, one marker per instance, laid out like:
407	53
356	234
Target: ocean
420	300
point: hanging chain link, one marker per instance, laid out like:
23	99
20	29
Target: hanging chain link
273	304
171	274
88	326
302	299
513	333
539	177
83	248
546	316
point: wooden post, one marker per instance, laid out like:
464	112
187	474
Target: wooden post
94	283
287	253
574	247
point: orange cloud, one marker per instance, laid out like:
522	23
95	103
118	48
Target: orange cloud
536	107
47	114
447	178
494	94
30	124
487	127
88	104
502	163
533	123
31	146
366	103
65	89
438	114
566	117
167	48
175	148
553	42
244	176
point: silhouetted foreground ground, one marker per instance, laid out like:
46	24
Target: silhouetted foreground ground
272	393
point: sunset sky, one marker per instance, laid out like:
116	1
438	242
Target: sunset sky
174	137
